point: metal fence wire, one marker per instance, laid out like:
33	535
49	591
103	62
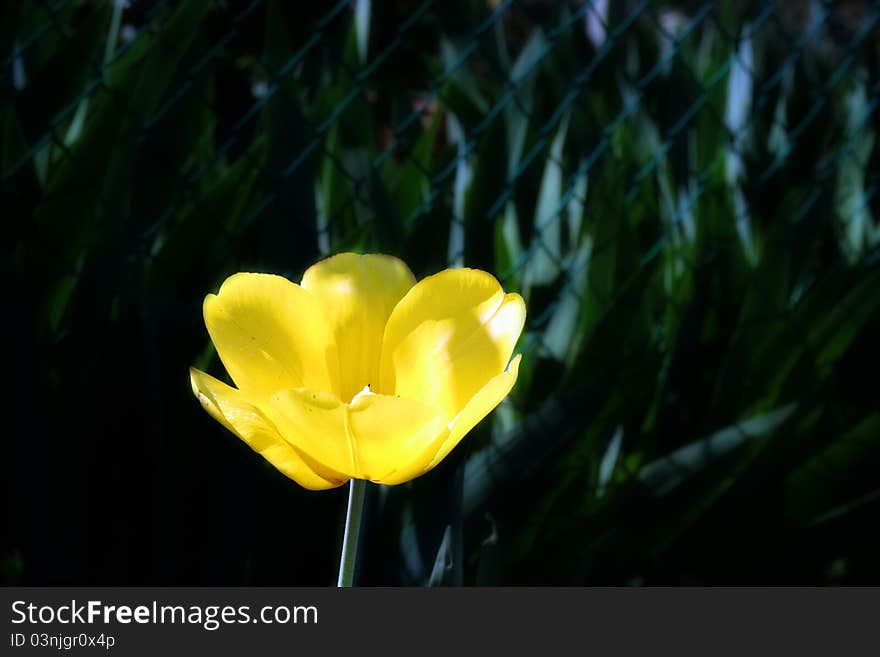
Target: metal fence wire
685	193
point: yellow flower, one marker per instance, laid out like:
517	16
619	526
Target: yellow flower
359	371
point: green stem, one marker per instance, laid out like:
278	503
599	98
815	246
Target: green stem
352	532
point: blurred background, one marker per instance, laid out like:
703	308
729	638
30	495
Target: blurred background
684	192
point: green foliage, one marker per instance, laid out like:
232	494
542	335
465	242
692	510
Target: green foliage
689	208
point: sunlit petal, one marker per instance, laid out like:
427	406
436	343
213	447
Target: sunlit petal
448	337
395	438
358	293
271	334
316	424
237	412
479	406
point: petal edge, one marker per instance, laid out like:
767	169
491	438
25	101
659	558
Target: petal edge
271	334
448	337
478	407
395	438
235	411
358	294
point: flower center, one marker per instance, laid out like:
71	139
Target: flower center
363	393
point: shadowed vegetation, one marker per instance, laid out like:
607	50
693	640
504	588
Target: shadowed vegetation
685	193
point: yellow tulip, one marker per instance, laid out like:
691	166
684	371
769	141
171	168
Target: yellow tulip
359	372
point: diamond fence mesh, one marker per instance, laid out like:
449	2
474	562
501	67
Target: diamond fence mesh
685	193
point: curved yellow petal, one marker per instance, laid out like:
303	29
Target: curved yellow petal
448	337
237	412
479	406
358	293
316	424
394	438
271	334
384	439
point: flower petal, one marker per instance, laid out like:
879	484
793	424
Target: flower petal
479	406
384	439
271	334
358	293
394	438
234	410
448	337
316	424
